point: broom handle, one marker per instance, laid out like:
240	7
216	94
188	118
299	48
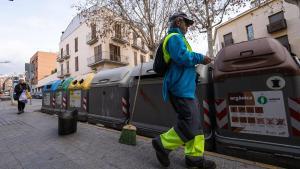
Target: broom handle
136	93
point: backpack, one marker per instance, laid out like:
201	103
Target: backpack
160	66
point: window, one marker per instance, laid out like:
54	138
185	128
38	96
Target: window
61	52
61	69
228	39
118	30
114	52
143	45
134	38
276	17
142	58
76	44
67	49
68	67
284	40
98	53
135	58
76	64
250	32
93	30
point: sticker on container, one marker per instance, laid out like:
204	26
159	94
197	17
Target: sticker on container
47	99
75	98
258	112
275	82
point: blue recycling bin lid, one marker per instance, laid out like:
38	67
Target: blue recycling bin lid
47	87
51	86
55	85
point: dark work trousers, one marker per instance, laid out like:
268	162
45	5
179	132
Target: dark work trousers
189	120
21	106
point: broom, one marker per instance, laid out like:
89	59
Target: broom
128	133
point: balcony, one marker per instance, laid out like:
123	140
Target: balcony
66	56
135	46
91	38
143	50
59	59
119	39
60	74
106	57
277	26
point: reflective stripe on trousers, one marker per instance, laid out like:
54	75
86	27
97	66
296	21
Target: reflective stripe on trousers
188	129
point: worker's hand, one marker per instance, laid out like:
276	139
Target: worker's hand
206	60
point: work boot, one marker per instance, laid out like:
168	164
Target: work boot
199	163
162	154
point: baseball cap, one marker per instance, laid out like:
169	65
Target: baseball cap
188	20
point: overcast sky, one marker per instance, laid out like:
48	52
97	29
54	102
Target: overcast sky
28	26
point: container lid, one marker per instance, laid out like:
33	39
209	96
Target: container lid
55	85
110	76
65	83
85	81
253	57
47	86
147	69
81	82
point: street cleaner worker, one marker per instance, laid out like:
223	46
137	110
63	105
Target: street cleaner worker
179	86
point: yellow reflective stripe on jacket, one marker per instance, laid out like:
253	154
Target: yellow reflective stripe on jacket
167	56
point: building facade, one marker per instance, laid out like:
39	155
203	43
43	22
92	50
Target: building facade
41	64
82	51
275	18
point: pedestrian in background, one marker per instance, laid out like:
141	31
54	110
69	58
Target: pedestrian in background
20	90
179	86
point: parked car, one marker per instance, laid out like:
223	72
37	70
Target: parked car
37	95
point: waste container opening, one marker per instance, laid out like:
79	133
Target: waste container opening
67	122
81	81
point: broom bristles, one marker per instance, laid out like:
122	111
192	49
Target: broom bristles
128	135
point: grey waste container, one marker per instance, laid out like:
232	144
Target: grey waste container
152	114
257	91
67	122
205	95
109	98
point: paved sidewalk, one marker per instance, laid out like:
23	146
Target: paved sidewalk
30	141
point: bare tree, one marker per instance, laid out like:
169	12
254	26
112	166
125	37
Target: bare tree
147	19
210	13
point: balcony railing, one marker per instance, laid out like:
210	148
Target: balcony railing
106	57
60	74
59	58
277	26
66	55
119	38
91	38
135	45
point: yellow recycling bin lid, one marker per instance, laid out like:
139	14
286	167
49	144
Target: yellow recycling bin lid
82	82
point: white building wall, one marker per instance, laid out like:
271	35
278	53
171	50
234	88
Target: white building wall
78	28
259	19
